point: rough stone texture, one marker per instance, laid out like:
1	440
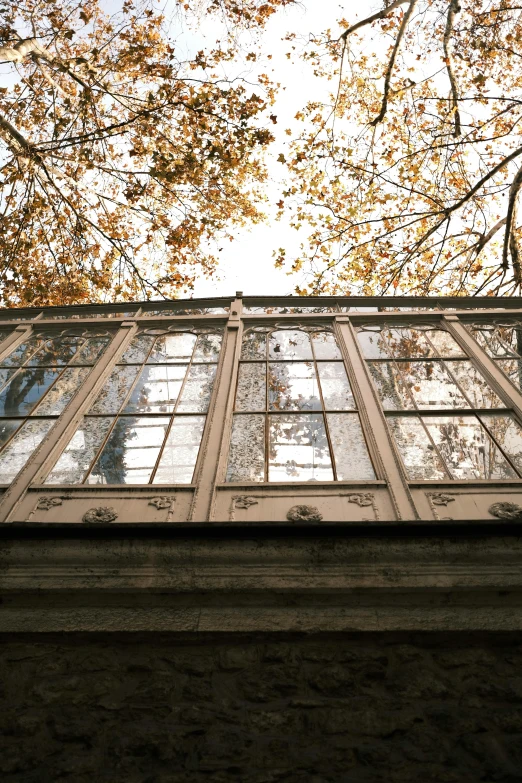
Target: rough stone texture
326	708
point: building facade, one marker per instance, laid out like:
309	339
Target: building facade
298	518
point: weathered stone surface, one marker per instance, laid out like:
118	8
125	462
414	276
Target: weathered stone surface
171	708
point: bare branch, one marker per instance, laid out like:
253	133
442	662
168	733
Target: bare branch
510	239
453	9
373	18
485	238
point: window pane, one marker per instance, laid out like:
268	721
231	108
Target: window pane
289	344
467	449
115	390
431	386
477	390
59	350
80	452
444	343
5	374
196	394
181	451
293	386
490	339
254	346
91	350
63	391
251	387
350	451
405	343
25	389
325	346
208	348
513	370
298	448
508	434
336	389
373	345
173	348
415	448
390	386
156	390
20	355
138	350
7	428
130	454
21	447
246	461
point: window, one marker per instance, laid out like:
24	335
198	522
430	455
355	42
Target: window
146	425
295	415
37	381
446	420
502	341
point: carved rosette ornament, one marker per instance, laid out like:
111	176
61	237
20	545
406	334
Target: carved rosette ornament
304	514
99	516
44	503
511	512
163	502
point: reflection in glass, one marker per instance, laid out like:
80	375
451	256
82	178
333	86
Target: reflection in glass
336	389
444	343
179	456
289	344
390	386
91	350
431	386
292	386
246	460
349	447
59	350
131	451
197	391
406	343
172	348
513	370
372	344
254	346
60	395
20	355
7	428
5	374
156	390
251	387
115	390
508	434
138	350
325	346
415	448
298	448
467	449
474	385
25	390
80	452
208	348
22	445
497	340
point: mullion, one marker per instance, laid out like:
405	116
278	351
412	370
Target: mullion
497	443
326	426
267	405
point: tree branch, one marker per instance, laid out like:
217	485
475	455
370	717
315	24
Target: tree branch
369	19
453	9
510	239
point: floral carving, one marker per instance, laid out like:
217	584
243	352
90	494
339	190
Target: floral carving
440	499
245	501
163	502
45	503
361	498
99	516
304	514
508	511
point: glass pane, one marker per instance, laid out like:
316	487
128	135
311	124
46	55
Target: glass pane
115	390
208	348
474	385
246	460
508	434
130	454
372	344
173	348
138	350
5	374
21	447
196	394
80	452
254	345
179	456
337	392
467	449
298	448
349	447
490	339
431	386
390	386
291	344
91	350
513	370
251	387
157	390
63	391
7	428
511	337
25	389
293	386
415	448
325	346
289	310
405	343
20	355
444	343
59	350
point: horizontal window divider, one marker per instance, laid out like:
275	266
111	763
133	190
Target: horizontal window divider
443	411
266	486
298	410
53	489
454	484
138	414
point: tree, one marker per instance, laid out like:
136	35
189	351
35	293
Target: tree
409	175
120	161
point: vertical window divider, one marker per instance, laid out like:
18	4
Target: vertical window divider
323	406
16	338
266	417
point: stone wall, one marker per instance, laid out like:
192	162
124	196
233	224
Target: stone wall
341	708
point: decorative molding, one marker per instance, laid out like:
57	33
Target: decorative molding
99	516
304	514
361	498
164	502
240	501
441	499
44	504
510	512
